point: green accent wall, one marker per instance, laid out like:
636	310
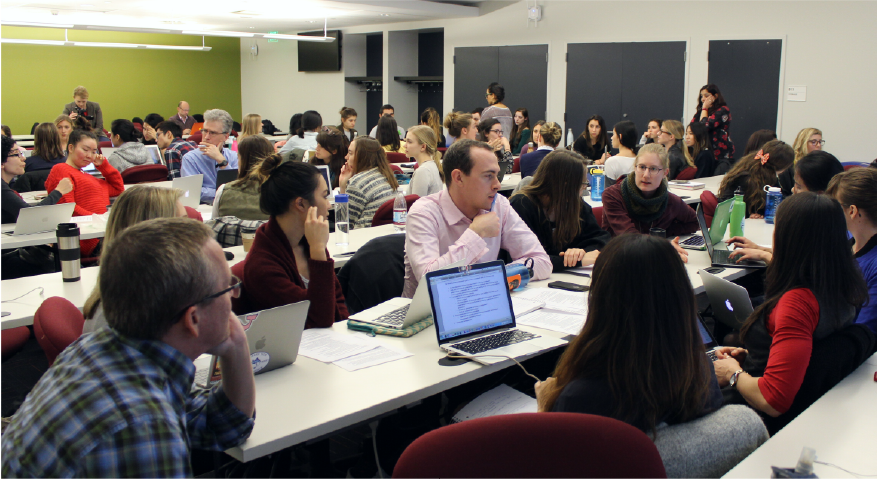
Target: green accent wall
38	80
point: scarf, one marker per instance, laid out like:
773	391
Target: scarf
644	210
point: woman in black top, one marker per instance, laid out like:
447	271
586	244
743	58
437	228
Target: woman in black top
47	150
755	171
640	357
13	165
697	150
714	113
553	208
593	143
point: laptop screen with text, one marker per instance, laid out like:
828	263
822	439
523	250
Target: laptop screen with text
470	302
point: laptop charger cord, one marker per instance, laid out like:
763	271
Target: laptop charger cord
25	294
456	355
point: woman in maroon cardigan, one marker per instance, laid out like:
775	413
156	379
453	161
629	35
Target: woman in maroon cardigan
641	201
288	261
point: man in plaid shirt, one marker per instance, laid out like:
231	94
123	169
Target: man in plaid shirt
119	402
168	136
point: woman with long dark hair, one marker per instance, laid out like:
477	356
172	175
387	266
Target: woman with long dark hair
639	357
348	123
713	112
240	198
368	179
387	134
520	134
553	208
758	139
331	151
813	288
431	118
495	95
306	136
492	133
47	150
593	143
697	150
624	138
755	171
130	152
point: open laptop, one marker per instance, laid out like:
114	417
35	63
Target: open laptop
717	248
191	186
399	313
473	314
721	218
709	342
42	219
225	176
730	302
155	153
273	335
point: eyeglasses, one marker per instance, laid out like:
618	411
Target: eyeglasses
234	289
498	132
664	132
816	142
206	132
650	169
17	154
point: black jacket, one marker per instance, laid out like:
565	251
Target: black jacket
12	203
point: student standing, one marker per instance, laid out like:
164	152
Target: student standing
713	112
495	95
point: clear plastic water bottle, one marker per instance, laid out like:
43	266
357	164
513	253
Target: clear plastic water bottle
342	221
400	212
774	198
597	184
569	138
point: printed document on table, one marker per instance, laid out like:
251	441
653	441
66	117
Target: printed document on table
523	306
374	357
557	299
499	400
329	346
553	321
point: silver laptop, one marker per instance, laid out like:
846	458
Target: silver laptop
730	302
273	335
473	314
42	219
400	313
155	153
191	187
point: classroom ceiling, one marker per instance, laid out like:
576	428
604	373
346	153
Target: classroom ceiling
257	16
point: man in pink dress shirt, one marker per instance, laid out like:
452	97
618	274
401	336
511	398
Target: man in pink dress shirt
470	220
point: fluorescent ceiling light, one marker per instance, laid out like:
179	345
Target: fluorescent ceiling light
105	45
177	47
217	33
301	38
32	42
31	24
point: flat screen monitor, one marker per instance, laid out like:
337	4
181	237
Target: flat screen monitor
320	56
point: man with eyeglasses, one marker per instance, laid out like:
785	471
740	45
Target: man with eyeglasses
182	118
211	155
119	402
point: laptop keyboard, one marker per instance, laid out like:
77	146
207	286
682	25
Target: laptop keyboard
394	318
693	241
494	341
712	355
722	256
201	377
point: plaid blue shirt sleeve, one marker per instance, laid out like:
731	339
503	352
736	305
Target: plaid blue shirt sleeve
214	423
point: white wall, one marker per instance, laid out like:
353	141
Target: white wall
830	47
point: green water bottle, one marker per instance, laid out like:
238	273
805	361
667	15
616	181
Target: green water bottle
738	213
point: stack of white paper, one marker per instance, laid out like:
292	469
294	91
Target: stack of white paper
553	321
347	351
557	299
499	400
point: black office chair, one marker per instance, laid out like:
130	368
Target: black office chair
374	274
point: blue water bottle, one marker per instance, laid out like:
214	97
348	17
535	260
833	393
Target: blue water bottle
597	184
774	198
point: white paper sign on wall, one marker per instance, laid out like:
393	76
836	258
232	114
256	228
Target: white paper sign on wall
796	93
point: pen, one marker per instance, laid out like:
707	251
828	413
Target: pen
493	202
349	253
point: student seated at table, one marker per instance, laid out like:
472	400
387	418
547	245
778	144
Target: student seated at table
47	151
13	165
305	137
240	198
520	134
367	179
697	150
640	357
491	130
130	152
593	143
642	202
331	151
288	261
461	126
431	118
420	145
387	134
136	204
807	141
799	308
91	195
469	221
856	190
120	402
548	137
755	171
553	208
624	138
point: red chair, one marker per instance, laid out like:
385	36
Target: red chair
848	165
396	169
138	127
516	167
57	323
104	144
384	215
708	202
598	214
240	305
525	149
194	214
195	138
144	174
13	340
397	158
533	445
442	150
687	174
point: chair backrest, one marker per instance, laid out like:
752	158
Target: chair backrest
13	340
397	158
57	323
516	167
104	144
442	150
525	149
396	169
374	274
598	215
533	445
240	305
687	174
194	214
709	203
692	449
384	215
144	174
196	138
31	181
848	165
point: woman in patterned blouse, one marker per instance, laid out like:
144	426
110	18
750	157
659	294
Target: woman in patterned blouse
368	179
715	114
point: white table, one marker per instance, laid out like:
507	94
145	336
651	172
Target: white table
840	426
510	181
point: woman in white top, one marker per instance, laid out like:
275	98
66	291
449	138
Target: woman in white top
420	145
497	109
306	137
624	138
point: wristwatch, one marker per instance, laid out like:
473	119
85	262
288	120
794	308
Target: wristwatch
734	377
223	164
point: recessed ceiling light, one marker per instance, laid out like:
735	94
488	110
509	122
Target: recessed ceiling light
385	14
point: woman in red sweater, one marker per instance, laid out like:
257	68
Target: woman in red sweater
91	195
288	261
800	307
